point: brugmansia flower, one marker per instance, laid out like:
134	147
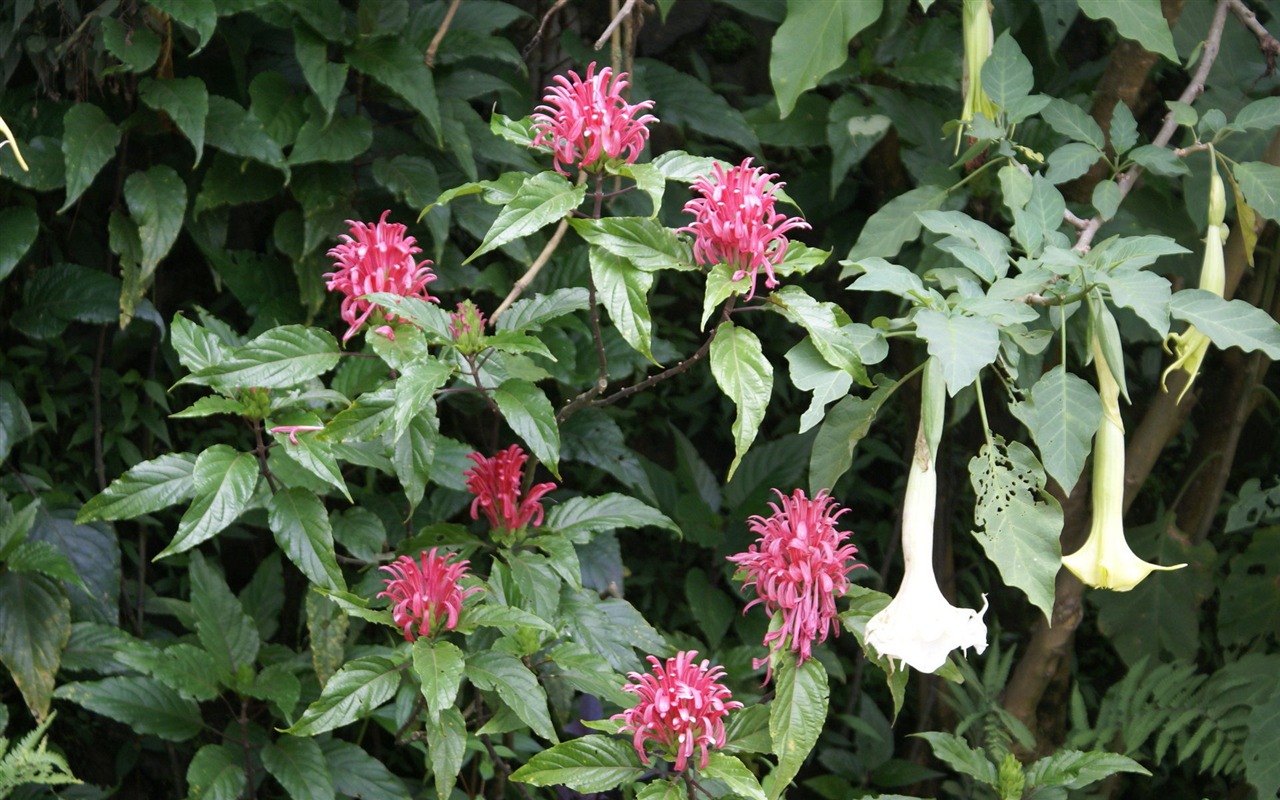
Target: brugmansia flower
587	120
466	326
978	39
496	484
1105	561
1191	346
11	140
376	258
736	224
425	595
681	707
920	627
798	567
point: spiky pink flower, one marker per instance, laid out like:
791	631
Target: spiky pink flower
376	257
798	566
496	484
583	120
681	707
294	430
736	223
425	595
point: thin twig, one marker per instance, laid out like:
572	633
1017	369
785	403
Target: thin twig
430	58
613	25
532	272
537	36
502	767
1269	45
1212	44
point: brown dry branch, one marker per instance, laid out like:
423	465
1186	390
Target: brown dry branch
430	58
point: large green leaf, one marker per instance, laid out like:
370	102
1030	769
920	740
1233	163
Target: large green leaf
1146	293
1074	122
224	481
963	345
579	517
591	763
491	670
1073	769
339	140
845	425
1261	114
18	229
89	141
1228	323
216	773
1071	161
415	452
448	737
35	624
796	717
439	665
528	411
1006	75
232	129
225	630
541	200
825	323
300	766
532	313
358	774
1250	602
278	359
184	100
157	201
895	223
957	754
1140	20
1019	532
1062	415
144	488
416	389
1261	186
144	704
644	242
734	774
1262	747
326	79
624	291
199	15
361	686
59	294
684	100
810	372
301	528
397	64
812	41
746	377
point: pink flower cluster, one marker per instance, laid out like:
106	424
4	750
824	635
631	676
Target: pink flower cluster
496	483
736	224
376	258
425	595
798	566
682	706
585	120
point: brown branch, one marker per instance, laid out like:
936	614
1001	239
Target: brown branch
537	36
430	58
622	14
532	272
1269	45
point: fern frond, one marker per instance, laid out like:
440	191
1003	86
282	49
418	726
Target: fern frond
30	761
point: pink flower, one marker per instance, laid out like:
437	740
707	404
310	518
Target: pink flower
496	484
584	120
798	567
681	705
376	258
426	593
294	430
736	223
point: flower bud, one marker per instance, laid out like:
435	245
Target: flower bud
979	37
466	325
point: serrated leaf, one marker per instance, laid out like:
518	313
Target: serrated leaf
492	670
624	292
216	773
223	481
278	359
300	767
730	771
963	345
210	406
1019	531
796	717
1260	184
358	774
895	223
439	665
591	763
746	377
528	411
18	229
1063	415
35	624
360	687
415	391
227	633
644	242
812	41
301	528
1228	323
144	704
582	516
1006	75
144	488
185	101
541	200
957	754
89	141
532	313
668	789
1139	20
1073	769
45	559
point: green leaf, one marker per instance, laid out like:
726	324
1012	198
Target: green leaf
541	200
1159	160
532	313
144	488
209	406
199	15
895	223
528	411
1250	601
684	100
978	246
1063	415
1261	114
624	292
648	180
300	766
301	528
1019	533
326	79
796	717
845	425
492	670
645	242
360	687
448	737
1228	323
825	323
358	774
216	773
137	46
1260	184
734	774
197	347
278	359
955	753
89	141
439	665
1006	75
185	668
232	129
963	345
314	455
144	704
579	517
1147	293
591	763
416	389
185	101
1073	122
415	452
1071	161
1139	20
1262	746
668	789
863	605
810	372
226	631
157	201
398	65
336	140
746	377
1124	128
224	481
35	624
1073	769
1106	199
812	41
44	558
18	229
